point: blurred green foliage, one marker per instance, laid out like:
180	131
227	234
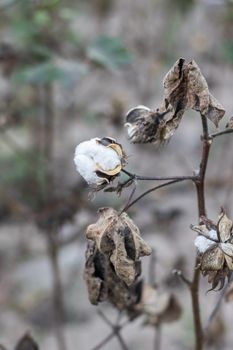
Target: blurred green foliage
40	47
109	52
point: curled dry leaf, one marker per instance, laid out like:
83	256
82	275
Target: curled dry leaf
113	259
186	88
215	247
104	285
118	237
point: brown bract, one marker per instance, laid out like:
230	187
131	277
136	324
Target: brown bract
113	258
217	260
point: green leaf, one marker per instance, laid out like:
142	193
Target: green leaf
66	72
42	18
109	52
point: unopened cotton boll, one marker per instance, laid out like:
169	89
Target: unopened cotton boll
99	160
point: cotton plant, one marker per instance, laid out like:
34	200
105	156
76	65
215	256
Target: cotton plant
215	246
115	246
99	160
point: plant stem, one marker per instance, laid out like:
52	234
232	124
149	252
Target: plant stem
157	339
157	178
200	188
152	190
223	132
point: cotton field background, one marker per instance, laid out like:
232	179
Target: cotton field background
69	73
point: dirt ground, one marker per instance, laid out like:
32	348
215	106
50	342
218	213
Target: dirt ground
156	36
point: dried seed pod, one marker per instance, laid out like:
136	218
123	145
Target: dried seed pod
215	247
118	237
145	125
103	284
99	161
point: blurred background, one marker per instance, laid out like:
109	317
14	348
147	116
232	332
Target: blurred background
69	71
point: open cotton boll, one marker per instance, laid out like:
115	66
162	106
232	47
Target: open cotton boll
91	156
213	234
86	168
202	243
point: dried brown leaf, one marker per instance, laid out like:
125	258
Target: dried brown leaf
224	227
197	89
124	266
119	239
212	259
186	88
201	229
94	274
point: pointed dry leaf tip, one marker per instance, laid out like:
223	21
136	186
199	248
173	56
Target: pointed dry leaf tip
26	343
99	161
216	249
119	238
186	88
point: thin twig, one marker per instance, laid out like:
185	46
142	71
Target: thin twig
115	329
217	306
104	341
105	318
223	132
157	339
184	279
157	178
121	341
152	190
130	197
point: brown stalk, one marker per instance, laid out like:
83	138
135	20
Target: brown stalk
200	188
199	181
48	193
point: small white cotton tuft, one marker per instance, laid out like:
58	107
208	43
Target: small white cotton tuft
202	243
91	156
86	168
213	234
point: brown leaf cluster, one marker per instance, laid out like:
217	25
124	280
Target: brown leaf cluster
184	88
113	259
217	261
